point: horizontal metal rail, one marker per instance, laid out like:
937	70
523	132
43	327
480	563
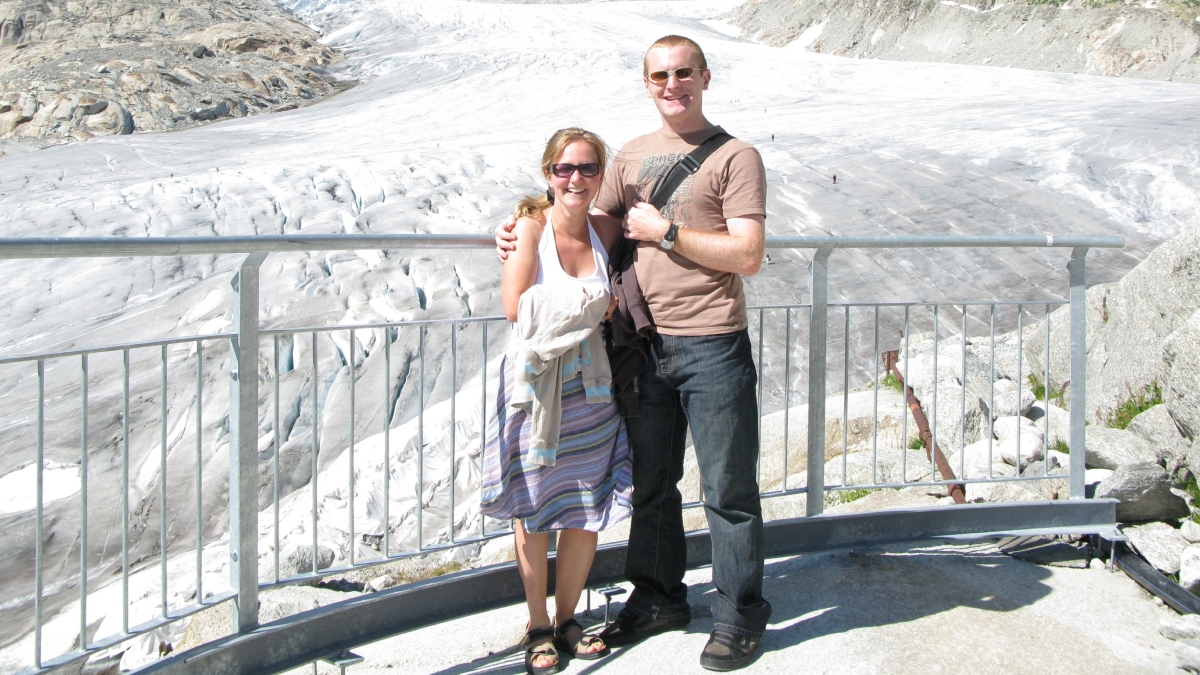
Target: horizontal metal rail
116	247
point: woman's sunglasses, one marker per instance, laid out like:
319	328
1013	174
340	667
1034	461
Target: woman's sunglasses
661	76
589	170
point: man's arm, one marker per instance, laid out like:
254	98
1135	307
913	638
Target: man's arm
740	250
607	228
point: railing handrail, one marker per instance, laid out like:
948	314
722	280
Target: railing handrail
121	247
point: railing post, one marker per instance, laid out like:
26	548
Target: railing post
817	331
243	445
1078	371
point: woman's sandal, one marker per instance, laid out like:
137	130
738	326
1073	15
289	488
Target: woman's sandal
541	642
570	637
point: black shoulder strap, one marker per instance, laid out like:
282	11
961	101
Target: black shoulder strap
686	166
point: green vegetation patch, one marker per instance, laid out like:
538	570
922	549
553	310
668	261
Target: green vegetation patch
846	496
1057	397
1193	491
1136	404
915	443
1059	445
891	382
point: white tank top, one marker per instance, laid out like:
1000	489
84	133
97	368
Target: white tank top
550	269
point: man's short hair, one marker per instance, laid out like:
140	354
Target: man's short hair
670	42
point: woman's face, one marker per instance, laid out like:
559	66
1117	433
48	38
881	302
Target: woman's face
576	190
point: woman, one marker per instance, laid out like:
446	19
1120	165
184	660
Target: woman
557	457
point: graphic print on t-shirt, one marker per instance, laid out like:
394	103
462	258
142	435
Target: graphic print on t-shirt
654	168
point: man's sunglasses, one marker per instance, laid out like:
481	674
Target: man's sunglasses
661	76
589	170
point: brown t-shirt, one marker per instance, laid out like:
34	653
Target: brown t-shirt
686	298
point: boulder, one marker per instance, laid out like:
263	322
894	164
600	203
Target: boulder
1018	436
1158	427
1144	490
1114	448
1190	531
1181	627
1160	544
300	561
1005	393
1008	491
1189	569
978	460
1059	423
1181	360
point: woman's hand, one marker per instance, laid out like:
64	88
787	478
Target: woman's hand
506	238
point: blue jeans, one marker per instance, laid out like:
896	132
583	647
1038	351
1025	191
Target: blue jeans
709	383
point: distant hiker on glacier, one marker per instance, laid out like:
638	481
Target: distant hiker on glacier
557	453
688	254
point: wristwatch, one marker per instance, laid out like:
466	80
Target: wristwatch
668	240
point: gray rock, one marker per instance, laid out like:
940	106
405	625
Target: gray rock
1190	531
1181	627
380	583
1095	476
1114	448
1158	427
1181	358
1187	651
1059	423
300	561
1189	569
1160	544
1144	491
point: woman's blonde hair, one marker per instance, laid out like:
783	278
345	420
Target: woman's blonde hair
532	205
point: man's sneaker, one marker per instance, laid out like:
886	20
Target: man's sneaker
629	628
726	651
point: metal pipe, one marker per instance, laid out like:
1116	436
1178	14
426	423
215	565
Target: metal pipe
243	445
1046	403
162	485
483	422
819	294
962	431
453	418
1020	380
83	502
904	424
387	442
787	391
120	247
125	492
199	471
421	440
992	388
1077	271
845	392
933	424
936	457
40	497
761	329
315	450
352	544
275	453
875	409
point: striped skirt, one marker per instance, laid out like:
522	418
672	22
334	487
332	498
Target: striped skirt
590	485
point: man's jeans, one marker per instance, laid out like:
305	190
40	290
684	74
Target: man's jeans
708	382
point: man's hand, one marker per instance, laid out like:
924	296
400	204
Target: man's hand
612	307
643	222
506	238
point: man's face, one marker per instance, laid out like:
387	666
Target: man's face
676	98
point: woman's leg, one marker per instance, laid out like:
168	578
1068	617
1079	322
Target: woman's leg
531	563
576	548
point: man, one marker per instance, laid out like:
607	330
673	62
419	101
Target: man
700	372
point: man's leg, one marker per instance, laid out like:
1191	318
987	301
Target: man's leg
657	556
719	394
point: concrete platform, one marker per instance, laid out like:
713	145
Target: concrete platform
932	608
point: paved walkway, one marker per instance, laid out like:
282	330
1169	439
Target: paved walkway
936	608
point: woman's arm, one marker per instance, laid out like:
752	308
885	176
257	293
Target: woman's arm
520	270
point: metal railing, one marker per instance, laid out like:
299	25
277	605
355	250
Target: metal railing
246	415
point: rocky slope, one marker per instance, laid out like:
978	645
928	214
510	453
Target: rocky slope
83	68
1098	38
